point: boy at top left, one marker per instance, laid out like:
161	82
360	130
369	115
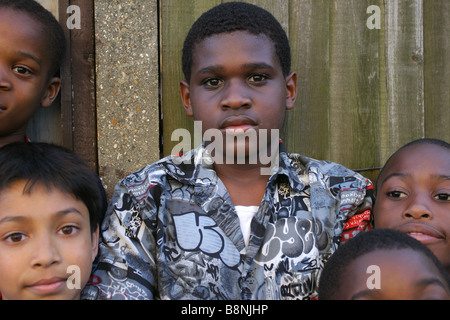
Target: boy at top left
32	47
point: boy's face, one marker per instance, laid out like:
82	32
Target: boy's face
404	274
237	83
25	64
42	233
413	196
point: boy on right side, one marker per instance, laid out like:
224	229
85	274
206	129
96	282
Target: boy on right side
413	195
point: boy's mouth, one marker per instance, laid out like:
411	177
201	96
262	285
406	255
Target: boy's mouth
237	124
422	232
48	286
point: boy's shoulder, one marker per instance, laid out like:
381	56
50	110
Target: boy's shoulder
323	166
181	167
328	174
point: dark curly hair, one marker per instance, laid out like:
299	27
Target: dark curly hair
361	244
51	29
236	16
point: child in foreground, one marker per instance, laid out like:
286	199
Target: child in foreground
384	264
32	47
50	209
413	195
208	224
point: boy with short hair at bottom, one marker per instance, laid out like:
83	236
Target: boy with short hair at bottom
173	229
413	195
50	210
384	264
32	47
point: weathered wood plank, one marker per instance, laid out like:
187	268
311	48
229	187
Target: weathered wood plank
306	126
437	68
354	86
404	113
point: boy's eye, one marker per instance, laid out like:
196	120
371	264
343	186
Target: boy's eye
68	230
212	82
442	197
257	78
396	194
15	237
21	70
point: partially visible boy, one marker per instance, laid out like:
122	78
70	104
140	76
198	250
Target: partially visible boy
413	195
207	225
50	211
384	264
32	47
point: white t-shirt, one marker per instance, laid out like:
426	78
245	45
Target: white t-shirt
246	214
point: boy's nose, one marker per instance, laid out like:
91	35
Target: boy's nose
5	83
418	208
235	96
45	252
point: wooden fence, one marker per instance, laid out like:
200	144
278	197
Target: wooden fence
373	74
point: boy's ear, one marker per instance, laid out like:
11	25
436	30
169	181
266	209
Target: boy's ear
94	243
51	92
291	90
186	98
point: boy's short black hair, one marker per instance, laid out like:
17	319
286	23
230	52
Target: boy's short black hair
361	244
52	30
436	142
236	16
53	167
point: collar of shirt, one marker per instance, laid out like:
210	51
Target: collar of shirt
196	168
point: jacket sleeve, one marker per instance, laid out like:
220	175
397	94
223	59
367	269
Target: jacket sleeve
360	218
125	267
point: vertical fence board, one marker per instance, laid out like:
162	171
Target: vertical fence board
354	86
437	68
306	126
404	72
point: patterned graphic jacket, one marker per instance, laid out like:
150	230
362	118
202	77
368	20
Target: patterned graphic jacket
171	231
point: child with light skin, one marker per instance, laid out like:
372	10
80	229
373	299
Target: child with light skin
50	208
32	47
413	195
384	264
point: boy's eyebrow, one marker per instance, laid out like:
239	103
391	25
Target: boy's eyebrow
421	283
252	65
22	218
441	177
430	281
406	175
395	174
12	219
67	211
365	293
29	55
257	65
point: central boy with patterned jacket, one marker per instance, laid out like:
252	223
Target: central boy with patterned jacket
194	226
